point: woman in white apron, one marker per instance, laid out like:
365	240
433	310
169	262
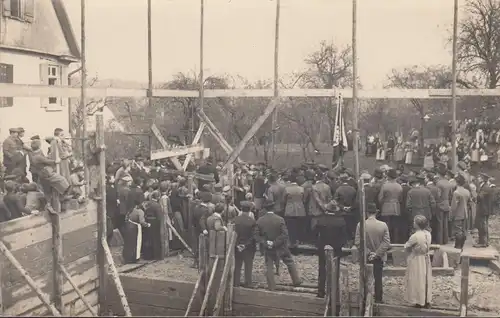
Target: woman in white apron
408	154
132	242
380	151
474	154
399	151
418	278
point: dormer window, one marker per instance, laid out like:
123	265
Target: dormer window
22	10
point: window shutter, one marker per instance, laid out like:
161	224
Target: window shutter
29	10
6	8
44	80
10	80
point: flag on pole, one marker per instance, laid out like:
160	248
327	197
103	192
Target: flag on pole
339	135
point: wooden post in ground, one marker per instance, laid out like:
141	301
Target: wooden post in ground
222	298
330	306
1	290
203	261
464	285
217	251
101	217
190	207
370	291
335	286
57	253
230	285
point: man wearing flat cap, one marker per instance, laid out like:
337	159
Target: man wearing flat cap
244	226
390	197
345	196
271	232
420	200
13	154
485	204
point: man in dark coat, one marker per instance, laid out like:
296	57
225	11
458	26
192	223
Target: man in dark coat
13	201
378	181
275	193
207	168
244	227
152	235
390	201
346	196
420	199
12	151
271	232
406	220
331	229
485	201
201	212
442	216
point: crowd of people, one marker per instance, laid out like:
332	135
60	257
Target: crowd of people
273	211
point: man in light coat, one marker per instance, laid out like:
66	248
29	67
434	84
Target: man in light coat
458	208
440	224
295	212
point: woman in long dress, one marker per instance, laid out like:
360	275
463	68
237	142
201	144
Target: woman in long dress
418	276
134	222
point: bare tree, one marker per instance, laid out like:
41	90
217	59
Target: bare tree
479	42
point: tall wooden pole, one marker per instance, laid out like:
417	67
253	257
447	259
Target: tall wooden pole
83	100
150	62
201	80
101	218
275	81
362	247
454	87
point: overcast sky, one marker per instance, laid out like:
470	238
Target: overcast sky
239	35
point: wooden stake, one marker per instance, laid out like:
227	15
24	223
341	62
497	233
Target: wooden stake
180	238
193	295
101	217
43	297
165	146
230	285
335	286
329	305
116	278
215	132
196	139
253	130
370	290
464	284
57	253
209	285
225	275
77	290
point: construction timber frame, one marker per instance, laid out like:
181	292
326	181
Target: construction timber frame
22	90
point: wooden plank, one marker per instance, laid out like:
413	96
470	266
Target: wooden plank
219	299
57	260
78	307
113	272
487	253
252	310
28	90
25	301
344	298
278	300
34	221
175	161
101	217
251	132
37	259
370	291
387	310
70	224
151	298
80	294
158	285
174	152
330	303
196	139
219	137
87	313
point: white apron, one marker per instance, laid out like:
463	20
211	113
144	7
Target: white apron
138	246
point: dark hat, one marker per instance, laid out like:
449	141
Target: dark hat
13	130
10	177
77	169
268	204
378	173
441	169
10	185
20	129
205	196
403	178
246	205
412	179
392	174
331	175
322	167
431	176
35	137
450	173
219	208
371	208
460	179
485	176
420	177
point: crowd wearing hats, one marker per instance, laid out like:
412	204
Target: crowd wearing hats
28	176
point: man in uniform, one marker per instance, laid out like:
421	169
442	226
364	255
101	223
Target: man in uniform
406	220
272	233
244	226
331	231
485	201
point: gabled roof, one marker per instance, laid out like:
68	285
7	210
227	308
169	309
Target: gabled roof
66	27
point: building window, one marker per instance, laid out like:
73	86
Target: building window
23	10
6	76
53	80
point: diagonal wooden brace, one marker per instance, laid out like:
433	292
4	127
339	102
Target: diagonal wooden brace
252	131
164	144
196	139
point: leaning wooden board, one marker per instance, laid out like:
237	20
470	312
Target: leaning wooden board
30	240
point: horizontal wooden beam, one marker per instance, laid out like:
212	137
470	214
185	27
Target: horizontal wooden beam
175	152
25	90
